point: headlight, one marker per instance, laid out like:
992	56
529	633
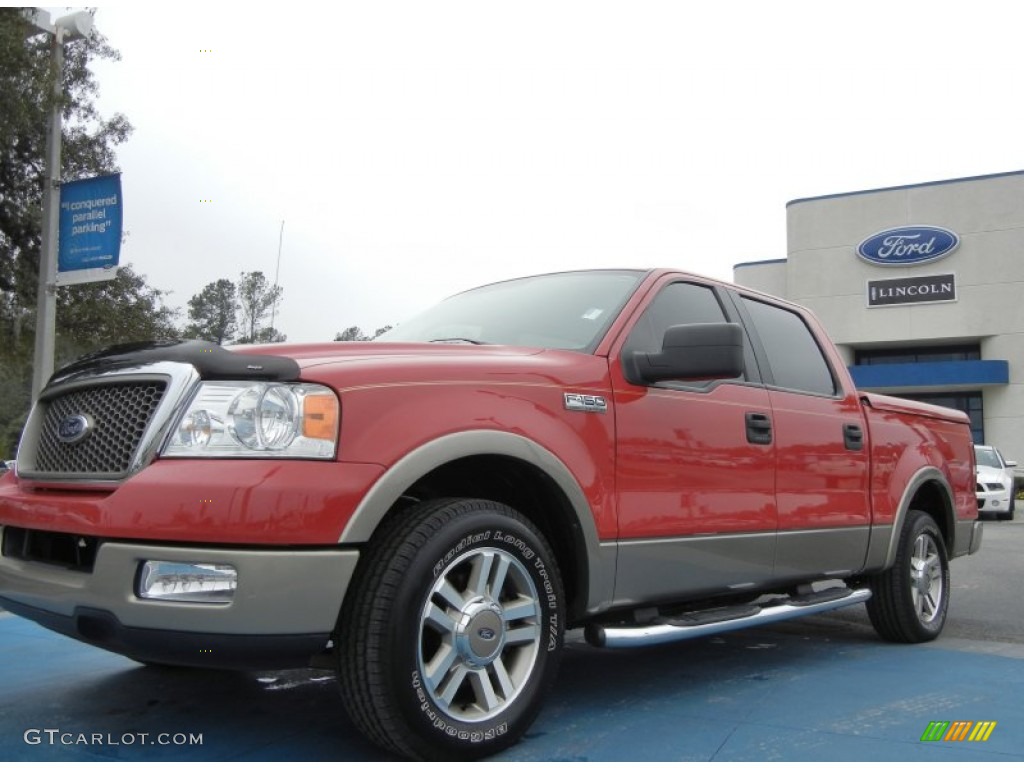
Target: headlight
235	418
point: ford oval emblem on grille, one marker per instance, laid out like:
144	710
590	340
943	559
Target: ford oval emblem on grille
74	428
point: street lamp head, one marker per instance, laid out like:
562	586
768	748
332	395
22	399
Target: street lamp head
75	25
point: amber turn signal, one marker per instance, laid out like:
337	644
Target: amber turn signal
320	416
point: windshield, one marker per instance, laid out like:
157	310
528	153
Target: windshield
987	457
567	310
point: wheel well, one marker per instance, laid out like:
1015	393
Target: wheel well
932	499
526	489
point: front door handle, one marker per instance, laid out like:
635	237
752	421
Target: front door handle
759	428
853	437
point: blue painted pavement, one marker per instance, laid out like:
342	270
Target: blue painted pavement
786	693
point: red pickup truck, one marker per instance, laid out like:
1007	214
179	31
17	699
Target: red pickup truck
643	455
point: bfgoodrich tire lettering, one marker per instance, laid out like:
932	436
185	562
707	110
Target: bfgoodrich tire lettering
454	630
909	601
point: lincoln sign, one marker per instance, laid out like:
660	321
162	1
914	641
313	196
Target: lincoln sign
911	290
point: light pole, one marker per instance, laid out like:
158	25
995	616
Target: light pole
71	27
277	274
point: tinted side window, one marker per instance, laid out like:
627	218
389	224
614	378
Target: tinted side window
793	353
676	304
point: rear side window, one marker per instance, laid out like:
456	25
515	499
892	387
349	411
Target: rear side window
793	353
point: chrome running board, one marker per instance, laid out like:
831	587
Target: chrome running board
715	621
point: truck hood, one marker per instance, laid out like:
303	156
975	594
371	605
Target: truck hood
350	352
355	365
281	362
344	365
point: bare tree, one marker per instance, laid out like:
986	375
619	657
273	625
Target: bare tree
256	298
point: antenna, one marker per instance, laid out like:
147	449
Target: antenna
277	272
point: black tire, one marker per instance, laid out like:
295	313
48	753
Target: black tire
909	601
451	632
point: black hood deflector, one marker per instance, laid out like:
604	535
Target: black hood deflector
211	360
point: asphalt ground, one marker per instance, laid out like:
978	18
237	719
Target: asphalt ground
820	689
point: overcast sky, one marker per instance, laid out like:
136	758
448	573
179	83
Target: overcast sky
415	149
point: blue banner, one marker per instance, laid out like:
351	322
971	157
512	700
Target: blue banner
90	224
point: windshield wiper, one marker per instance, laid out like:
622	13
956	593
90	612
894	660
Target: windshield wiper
456	340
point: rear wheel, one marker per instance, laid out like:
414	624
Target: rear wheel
910	600
453	632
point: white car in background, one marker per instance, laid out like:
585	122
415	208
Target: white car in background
995	482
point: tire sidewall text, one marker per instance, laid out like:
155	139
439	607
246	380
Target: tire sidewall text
464	535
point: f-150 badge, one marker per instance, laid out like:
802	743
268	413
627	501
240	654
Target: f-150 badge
590	403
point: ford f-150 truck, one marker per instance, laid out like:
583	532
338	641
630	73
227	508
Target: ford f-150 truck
642	455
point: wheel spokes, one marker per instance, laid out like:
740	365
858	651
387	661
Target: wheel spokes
480	634
439	666
484	690
921	548
480	573
527	634
488	574
447	692
497	581
439	619
926	583
450	595
928	600
520	608
504	681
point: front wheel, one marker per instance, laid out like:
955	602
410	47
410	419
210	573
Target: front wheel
453	632
910	600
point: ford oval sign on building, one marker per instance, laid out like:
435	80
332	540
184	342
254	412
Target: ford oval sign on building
906	246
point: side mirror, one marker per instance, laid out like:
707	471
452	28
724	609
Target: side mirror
700	351
1011	464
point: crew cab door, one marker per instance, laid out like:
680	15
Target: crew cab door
821	444
695	468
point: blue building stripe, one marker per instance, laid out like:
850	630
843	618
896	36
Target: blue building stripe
958	373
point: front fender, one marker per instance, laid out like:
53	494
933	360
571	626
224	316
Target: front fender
404	473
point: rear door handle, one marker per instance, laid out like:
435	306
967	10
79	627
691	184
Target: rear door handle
759	428
853	437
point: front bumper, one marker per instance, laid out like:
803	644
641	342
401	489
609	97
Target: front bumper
282	613
994	501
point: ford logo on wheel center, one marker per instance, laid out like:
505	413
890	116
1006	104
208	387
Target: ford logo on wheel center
904	246
73	428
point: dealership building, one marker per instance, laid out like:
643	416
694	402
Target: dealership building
922	289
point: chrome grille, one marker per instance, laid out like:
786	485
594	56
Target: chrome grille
120	415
